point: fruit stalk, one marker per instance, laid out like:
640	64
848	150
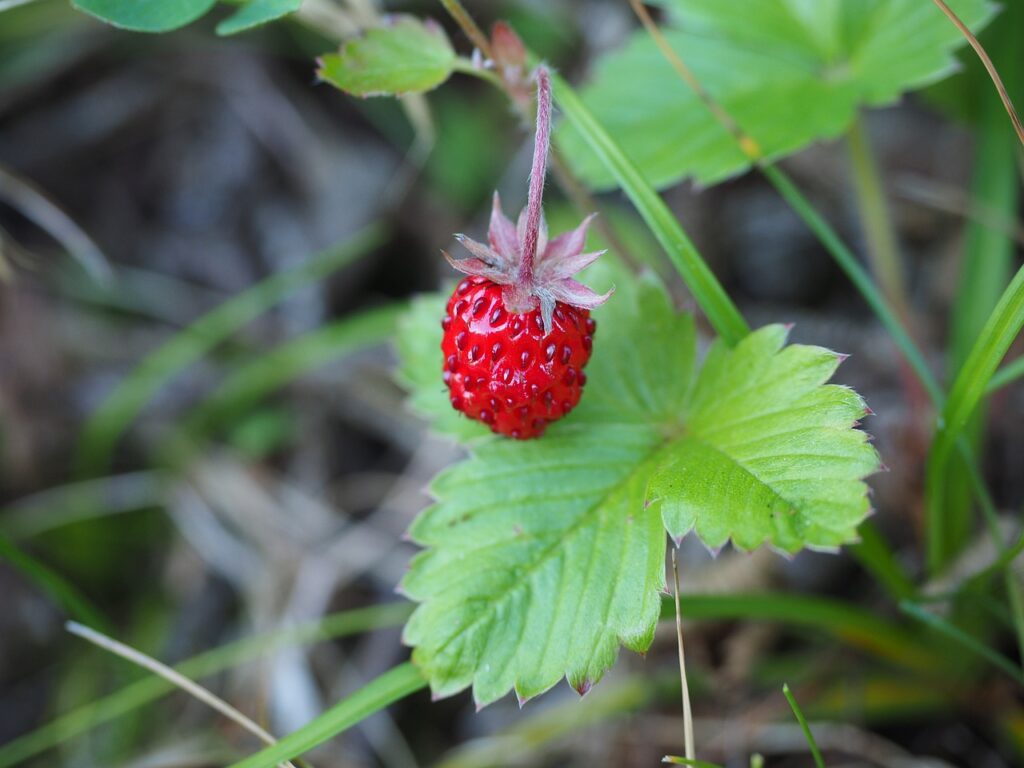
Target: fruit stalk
537	173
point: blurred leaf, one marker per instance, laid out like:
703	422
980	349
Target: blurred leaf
146	15
544	556
256	13
789	72
472	145
404	56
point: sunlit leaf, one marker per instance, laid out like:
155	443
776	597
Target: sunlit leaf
543	557
405	55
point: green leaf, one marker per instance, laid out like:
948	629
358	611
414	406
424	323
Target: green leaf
545	556
789	72
708	292
767	453
256	13
146	15
404	56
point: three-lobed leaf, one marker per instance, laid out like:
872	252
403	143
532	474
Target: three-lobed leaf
543	557
405	55
790	72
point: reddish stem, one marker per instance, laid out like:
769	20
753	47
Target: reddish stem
537	173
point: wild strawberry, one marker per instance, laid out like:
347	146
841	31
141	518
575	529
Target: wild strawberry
518	331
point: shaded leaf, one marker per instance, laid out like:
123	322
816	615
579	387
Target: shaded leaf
405	55
789	72
256	13
146	15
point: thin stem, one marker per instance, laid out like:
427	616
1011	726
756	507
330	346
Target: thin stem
173	677
538	171
989	67
469	26
874	212
798	713
690	750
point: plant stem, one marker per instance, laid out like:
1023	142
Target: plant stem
874	213
811	743
989	67
469	26
538	171
690	749
175	678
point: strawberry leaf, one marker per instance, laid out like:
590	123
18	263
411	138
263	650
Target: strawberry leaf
256	13
543	557
145	15
767	453
766	62
405	55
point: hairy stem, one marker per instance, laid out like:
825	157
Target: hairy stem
537	174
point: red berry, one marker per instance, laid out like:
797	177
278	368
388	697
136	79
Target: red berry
527	379
518	331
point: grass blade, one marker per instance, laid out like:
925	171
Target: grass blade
281	365
874	554
1006	375
124	404
149	689
811	743
674	760
706	290
849	624
987	253
962	638
174	678
65	594
395	684
970	386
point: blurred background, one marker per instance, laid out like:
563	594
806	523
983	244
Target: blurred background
267	481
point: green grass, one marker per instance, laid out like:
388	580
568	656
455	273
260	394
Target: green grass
395	684
149	689
798	713
109	422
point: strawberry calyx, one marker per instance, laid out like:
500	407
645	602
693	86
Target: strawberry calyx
534	272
